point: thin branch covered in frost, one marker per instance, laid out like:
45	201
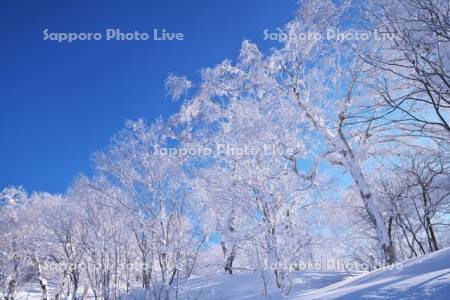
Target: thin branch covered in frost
177	86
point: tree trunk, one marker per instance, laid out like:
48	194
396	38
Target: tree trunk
432	236
230	260
374	212
339	144
42	281
12	284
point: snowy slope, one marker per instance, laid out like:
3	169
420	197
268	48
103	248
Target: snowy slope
426	277
246	285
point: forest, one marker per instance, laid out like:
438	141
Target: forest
319	148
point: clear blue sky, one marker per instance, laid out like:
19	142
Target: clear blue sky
60	102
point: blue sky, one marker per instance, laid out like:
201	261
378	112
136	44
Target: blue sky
60	102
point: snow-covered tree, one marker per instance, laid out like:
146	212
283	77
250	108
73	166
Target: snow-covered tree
154	184
318	79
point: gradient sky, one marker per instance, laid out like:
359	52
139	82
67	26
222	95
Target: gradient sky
60	102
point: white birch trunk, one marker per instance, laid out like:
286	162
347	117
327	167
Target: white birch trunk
339	145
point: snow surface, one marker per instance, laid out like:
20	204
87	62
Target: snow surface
426	277
247	285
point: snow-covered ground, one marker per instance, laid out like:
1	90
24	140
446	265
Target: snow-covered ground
248	286
426	277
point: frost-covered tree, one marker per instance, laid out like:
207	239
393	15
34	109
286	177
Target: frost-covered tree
252	172
411	66
319	82
154	185
13	244
416	193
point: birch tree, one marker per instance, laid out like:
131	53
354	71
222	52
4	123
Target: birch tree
155	185
318	79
